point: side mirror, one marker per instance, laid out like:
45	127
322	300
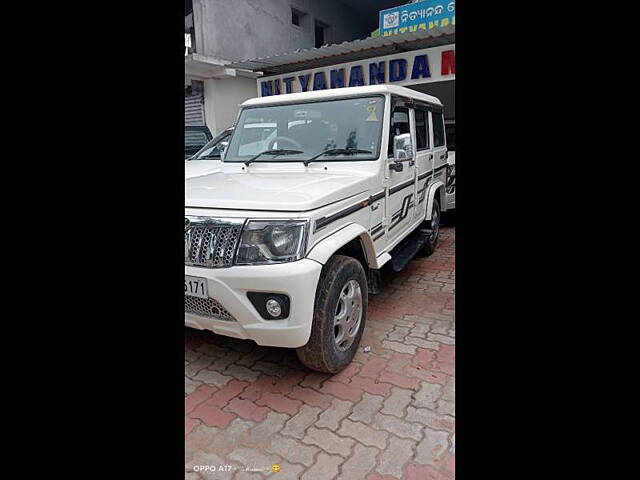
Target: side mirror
402	148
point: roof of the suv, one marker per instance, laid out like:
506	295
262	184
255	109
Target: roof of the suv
339	93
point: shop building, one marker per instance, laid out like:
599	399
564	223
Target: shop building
220	32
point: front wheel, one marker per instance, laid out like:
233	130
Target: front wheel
339	316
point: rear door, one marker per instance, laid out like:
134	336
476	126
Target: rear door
439	148
401	191
424	157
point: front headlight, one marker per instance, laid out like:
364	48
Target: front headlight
273	241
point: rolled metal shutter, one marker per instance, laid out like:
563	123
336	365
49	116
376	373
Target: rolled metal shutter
194	109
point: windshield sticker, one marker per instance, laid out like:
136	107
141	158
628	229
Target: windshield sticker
372	114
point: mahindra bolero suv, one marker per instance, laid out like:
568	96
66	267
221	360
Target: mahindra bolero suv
317	191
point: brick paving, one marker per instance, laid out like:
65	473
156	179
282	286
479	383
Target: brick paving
390	414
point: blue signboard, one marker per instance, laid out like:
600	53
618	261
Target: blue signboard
417	16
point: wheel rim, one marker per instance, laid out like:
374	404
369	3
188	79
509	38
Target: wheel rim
435	223
348	315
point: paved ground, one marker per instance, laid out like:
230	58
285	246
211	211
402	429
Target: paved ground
390	414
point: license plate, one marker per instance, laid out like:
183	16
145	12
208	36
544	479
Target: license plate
195	286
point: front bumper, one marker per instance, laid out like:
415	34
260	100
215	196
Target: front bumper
229	286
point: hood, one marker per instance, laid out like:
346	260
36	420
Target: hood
272	191
197	168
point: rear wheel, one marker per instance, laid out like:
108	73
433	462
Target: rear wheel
434	226
339	316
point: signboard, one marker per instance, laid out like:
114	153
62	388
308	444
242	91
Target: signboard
418	66
417	16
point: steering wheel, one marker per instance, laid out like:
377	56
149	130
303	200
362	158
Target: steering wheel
284	139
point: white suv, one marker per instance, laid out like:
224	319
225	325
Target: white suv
286	240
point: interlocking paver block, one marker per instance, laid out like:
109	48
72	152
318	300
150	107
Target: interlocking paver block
395	456
373	367
441	338
366	408
279	403
398	427
423	472
190	385
375	387
221	442
422	343
199	395
212	416
331	417
449	391
398	334
226	393
252	357
200	440
428	395
194	367
211	377
398	347
212	350
363	434
340	390
247	409
261	434
396	403
431	419
400	380
360	463
328	441
270	368
446	408
241	373
298	424
326	467
293	450
310	396
345	375
432	447
314	380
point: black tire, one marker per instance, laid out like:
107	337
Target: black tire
321	353
430	246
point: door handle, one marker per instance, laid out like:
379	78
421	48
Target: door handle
375	207
429	157
396	166
411	163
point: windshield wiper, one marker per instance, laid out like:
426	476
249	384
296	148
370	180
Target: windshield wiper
335	151
272	152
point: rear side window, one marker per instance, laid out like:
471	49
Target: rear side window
438	130
399	125
422	129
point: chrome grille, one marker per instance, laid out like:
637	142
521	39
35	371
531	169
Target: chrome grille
206	307
210	242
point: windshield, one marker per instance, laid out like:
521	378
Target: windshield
309	128
451	136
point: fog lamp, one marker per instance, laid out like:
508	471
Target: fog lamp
273	307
